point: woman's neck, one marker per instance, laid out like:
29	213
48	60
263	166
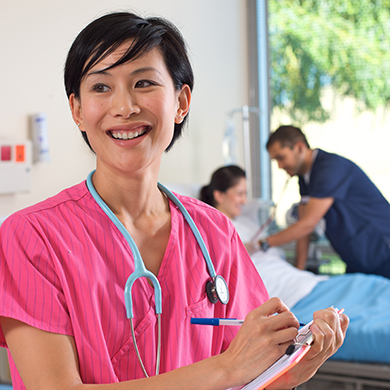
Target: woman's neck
132	194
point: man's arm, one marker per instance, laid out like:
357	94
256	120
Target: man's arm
315	209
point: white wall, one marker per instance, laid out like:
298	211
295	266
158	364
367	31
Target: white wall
34	39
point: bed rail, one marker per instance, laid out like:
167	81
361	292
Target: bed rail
341	375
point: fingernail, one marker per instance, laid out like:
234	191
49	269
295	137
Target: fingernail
314	328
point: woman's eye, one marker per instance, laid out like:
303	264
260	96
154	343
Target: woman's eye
143	84
100	88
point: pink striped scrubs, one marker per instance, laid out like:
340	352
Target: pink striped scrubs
64	265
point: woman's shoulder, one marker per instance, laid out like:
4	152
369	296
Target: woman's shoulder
202	211
63	199
197	205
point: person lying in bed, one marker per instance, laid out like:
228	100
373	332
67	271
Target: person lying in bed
364	297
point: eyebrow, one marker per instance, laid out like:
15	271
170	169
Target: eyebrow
134	73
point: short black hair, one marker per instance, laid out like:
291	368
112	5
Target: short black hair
105	34
287	136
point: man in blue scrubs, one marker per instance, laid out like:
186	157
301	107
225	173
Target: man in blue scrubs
332	187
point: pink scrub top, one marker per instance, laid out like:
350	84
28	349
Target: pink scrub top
64	265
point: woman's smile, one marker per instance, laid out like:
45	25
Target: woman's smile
127	134
124	133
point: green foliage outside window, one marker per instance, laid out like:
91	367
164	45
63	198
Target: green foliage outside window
342	44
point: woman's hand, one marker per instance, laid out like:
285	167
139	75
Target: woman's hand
261	340
329	329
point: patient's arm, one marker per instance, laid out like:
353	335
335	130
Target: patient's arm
252	247
315	209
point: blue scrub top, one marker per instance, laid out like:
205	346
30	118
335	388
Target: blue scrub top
358	222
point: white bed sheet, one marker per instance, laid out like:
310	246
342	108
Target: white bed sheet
280	278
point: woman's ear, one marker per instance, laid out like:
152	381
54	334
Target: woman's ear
184	102
75	107
218	197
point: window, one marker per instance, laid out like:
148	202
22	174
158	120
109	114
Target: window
329	67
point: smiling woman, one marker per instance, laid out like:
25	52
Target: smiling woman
65	262
226	190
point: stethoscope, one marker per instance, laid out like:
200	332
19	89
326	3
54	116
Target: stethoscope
216	288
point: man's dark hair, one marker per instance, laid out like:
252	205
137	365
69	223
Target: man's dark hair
287	136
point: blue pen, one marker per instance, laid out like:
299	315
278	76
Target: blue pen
217	321
220	321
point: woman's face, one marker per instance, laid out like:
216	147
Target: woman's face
128	112
231	201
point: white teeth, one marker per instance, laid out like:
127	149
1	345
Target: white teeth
128	135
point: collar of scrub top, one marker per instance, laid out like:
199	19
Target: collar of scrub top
139	266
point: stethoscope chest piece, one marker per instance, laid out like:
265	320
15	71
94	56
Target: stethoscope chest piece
217	290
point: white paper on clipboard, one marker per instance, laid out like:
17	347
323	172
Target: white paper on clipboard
285	363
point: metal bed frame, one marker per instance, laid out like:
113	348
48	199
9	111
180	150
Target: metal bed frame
343	375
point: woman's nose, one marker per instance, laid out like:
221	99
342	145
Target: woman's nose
124	104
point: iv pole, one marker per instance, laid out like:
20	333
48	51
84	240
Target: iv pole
230	138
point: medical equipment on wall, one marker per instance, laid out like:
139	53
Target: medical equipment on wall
15	166
229	143
216	288
39	135
272	214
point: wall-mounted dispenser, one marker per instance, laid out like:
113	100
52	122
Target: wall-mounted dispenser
39	135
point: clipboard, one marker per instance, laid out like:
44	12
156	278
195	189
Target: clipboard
296	352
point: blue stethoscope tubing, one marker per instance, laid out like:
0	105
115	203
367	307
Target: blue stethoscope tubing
139	266
140	269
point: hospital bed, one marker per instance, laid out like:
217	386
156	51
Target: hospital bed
363	362
343	375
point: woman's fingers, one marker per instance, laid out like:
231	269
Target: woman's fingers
263	338
272	306
344	322
329	329
275	318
